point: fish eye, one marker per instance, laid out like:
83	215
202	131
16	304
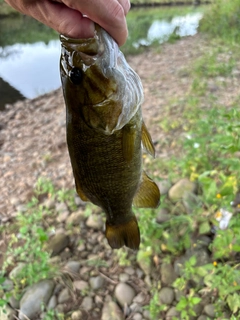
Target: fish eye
76	76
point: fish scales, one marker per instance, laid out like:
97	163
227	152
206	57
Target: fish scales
105	133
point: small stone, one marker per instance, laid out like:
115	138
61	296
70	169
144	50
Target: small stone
17	270
77	315
8	285
96	282
140	298
87	303
166	295
78	201
129	270
61	207
123	277
177	190
7	313
137	316
163	216
135	307
111	311
168	275
172	312
33	299
209	310
64	296
73	266
202	317
164	186
95	222
146	314
49	203
76	217
190	201
124	293
52	303
80	285
14	303
58	243
62	217
21	208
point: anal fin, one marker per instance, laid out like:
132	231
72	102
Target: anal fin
123	234
147	140
148	194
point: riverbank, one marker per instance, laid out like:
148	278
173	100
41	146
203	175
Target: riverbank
189	86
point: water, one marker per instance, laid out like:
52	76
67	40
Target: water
31	69
161	30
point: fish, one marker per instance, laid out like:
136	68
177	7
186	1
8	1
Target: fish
106	133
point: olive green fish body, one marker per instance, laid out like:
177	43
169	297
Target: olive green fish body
105	133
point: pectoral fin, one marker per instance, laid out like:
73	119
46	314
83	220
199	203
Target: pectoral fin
148	194
147	141
128	142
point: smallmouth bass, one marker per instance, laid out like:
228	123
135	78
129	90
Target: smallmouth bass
105	133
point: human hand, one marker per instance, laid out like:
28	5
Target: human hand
68	17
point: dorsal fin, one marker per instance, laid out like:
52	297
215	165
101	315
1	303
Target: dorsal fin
147	140
148	194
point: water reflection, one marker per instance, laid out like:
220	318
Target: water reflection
32	69
161	30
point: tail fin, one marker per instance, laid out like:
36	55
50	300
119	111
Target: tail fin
123	234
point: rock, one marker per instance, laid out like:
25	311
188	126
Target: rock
190	201
87	303
76	217
61	207
73	266
111	311
95	221
140	298
80	285
177	190
164	186
135	307
202	255
77	315
123	277
49	203
137	316
33	299
52	303
166	295
202	317
124	293
168	275
163	216
17	270
58	243
209	310
129	270
146	314
64	296
62	217
8	285
7	313
172	312
96	282
14	303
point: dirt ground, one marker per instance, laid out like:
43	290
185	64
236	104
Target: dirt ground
32	132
